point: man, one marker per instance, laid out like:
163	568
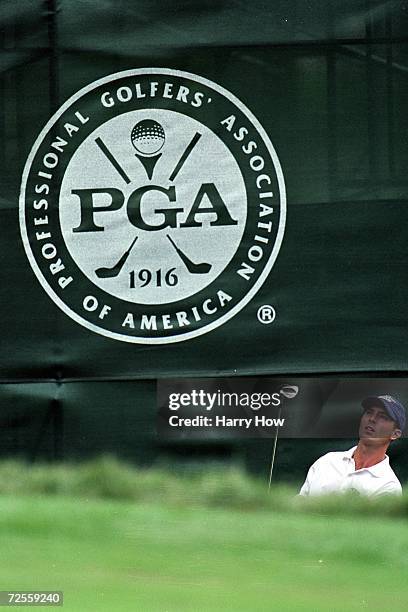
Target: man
364	468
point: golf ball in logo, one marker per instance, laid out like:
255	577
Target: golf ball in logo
148	137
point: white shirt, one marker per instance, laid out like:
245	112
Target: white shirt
336	473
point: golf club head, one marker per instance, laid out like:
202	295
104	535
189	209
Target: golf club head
289	391
105	273
202	268
115	270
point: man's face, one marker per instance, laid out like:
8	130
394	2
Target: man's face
377	426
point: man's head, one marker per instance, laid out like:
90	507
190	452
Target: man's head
383	419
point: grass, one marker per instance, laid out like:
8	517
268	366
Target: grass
115	538
111	555
225	487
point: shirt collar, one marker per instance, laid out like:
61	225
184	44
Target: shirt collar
376	470
349	453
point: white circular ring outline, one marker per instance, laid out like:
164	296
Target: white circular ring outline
268	266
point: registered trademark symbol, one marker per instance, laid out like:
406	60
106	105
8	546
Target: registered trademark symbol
266	314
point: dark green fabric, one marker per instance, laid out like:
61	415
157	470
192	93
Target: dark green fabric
329	83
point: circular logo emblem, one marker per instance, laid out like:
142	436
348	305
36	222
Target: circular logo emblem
152	206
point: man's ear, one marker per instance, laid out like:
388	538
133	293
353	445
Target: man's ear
397	433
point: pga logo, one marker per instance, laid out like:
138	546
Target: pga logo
152	206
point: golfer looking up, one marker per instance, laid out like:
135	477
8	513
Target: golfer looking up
366	467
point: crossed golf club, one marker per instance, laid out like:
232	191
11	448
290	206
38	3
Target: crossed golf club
192	267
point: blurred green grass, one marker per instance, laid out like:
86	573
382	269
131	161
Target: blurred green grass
119	556
216	487
117	538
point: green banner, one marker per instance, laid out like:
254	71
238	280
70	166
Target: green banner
198	189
